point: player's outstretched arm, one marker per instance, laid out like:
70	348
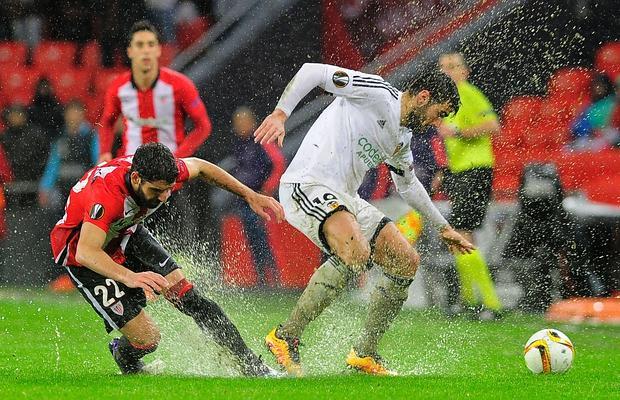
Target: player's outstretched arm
199	168
91	255
411	190
309	76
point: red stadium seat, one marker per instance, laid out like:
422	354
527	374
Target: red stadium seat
237	263
71	83
607	60
519	115
50	56
553	127
604	189
189	32
168	51
13	53
295	256
102	80
94	109
17	85
570	82
91	55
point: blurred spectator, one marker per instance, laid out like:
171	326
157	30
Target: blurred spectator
26	148
162	13
593	129
45	110
72	154
186	12
259	167
27	23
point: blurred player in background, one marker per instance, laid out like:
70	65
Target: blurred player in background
115	262
153	101
467	181
365	126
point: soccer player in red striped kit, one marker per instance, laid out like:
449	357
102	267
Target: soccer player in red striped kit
154	102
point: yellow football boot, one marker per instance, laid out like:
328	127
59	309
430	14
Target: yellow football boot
371	365
285	351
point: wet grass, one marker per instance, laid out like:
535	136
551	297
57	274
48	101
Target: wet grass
54	347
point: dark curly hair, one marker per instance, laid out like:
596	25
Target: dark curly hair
440	85
140	26
155	162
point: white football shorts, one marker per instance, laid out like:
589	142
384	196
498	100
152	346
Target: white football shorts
307	206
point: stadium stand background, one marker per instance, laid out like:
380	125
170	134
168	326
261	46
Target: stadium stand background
524	50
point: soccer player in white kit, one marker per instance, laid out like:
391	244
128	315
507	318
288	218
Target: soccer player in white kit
370	122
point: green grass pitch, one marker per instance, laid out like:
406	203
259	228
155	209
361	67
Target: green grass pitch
54	347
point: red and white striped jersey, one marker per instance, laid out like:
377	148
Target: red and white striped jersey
154	115
103	197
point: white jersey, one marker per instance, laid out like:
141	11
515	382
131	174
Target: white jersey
358	131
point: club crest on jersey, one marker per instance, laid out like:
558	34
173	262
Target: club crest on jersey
118	308
97	211
381	123
398	148
340	79
333	205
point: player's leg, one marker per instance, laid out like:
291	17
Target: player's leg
145	250
140	337
474	269
121	308
399	262
213	321
325	221
351	253
470	202
325	285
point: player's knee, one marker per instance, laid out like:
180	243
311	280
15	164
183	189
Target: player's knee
411	266
148	339
356	256
405	265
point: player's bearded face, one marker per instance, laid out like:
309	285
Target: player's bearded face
415	118
428	114
151	195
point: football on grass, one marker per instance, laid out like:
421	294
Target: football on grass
549	351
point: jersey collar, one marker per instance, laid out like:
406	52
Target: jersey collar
133	82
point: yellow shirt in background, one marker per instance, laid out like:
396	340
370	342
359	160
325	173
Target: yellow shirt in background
464	153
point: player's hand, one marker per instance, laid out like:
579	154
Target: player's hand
272	128
259	203
455	242
104	157
151	282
